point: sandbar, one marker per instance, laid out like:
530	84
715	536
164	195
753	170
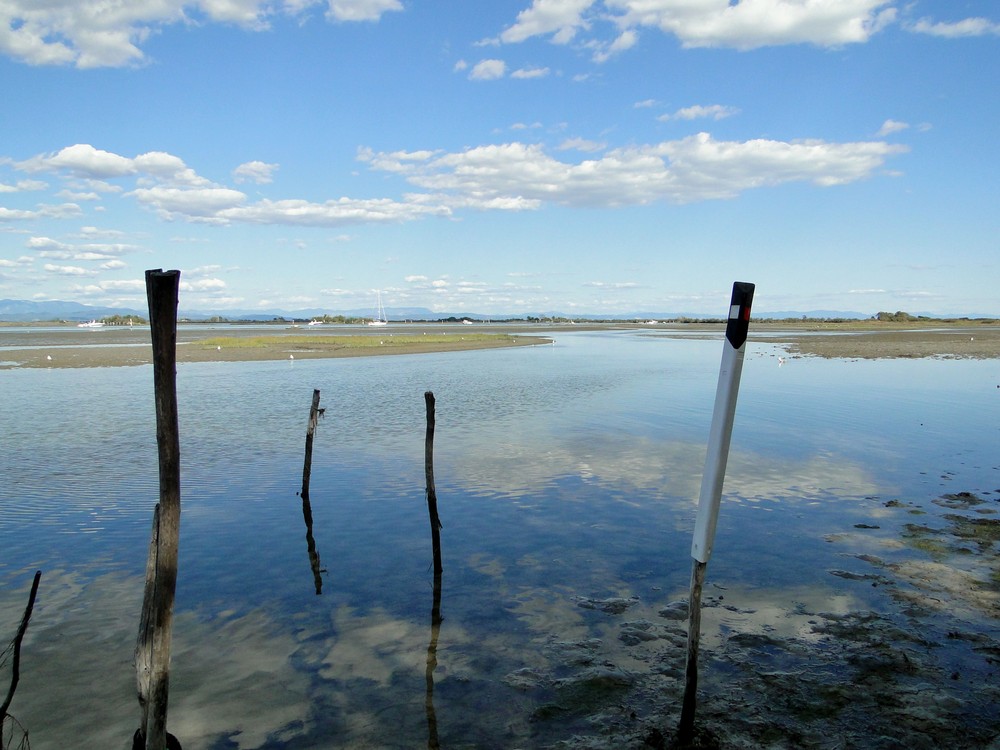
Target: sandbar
120	346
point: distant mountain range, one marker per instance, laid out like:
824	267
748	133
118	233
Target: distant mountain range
27	311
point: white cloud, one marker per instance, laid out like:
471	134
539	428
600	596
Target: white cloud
617	285
122	285
198	203
952	30
604	52
23	186
44	211
82	160
580	144
519	176
743	24
89	34
891	126
254	171
460	66
530	73
488	70
67	270
338	212
562	18
361	10
712	111
203	285
46	247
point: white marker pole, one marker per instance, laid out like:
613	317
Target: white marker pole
719	436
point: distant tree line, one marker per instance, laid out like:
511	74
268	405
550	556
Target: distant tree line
124	320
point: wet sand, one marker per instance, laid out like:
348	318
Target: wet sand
122	347
961	342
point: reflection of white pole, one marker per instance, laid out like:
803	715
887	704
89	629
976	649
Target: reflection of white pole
711	484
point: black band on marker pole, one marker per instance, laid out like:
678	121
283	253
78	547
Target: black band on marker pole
739	313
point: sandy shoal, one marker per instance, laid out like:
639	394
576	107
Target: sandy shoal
122	347
59	348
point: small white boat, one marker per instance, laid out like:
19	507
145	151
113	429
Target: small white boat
379	319
91	324
315	322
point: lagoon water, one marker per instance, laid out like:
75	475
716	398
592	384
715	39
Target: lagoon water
567	477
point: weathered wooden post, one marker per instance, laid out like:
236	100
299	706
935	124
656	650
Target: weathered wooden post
711	485
432	730
314	413
432	507
156	622
310	430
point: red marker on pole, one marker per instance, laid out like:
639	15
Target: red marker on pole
719	436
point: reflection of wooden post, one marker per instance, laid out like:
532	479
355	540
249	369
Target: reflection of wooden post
314	563
15	668
432	507
432	728
161	292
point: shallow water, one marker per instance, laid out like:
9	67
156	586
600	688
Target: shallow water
566	475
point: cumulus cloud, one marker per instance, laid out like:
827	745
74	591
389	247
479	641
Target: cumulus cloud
955	29
520	176
254	171
530	73
698	111
90	34
891	126
581	144
561	18
488	70
44	211
67	270
22	186
746	24
494	177
361	10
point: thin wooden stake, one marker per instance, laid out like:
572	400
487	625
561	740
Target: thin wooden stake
432	729
310	429
314	563
162	289
711	486
432	508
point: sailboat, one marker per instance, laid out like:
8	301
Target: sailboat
380	319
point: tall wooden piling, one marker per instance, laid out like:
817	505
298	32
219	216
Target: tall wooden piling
314	563
156	624
432	508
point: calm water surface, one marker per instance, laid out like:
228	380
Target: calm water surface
566	476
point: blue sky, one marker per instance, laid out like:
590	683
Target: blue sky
583	156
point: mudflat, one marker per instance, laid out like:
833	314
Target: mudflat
119	346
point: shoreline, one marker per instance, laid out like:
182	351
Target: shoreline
126	347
